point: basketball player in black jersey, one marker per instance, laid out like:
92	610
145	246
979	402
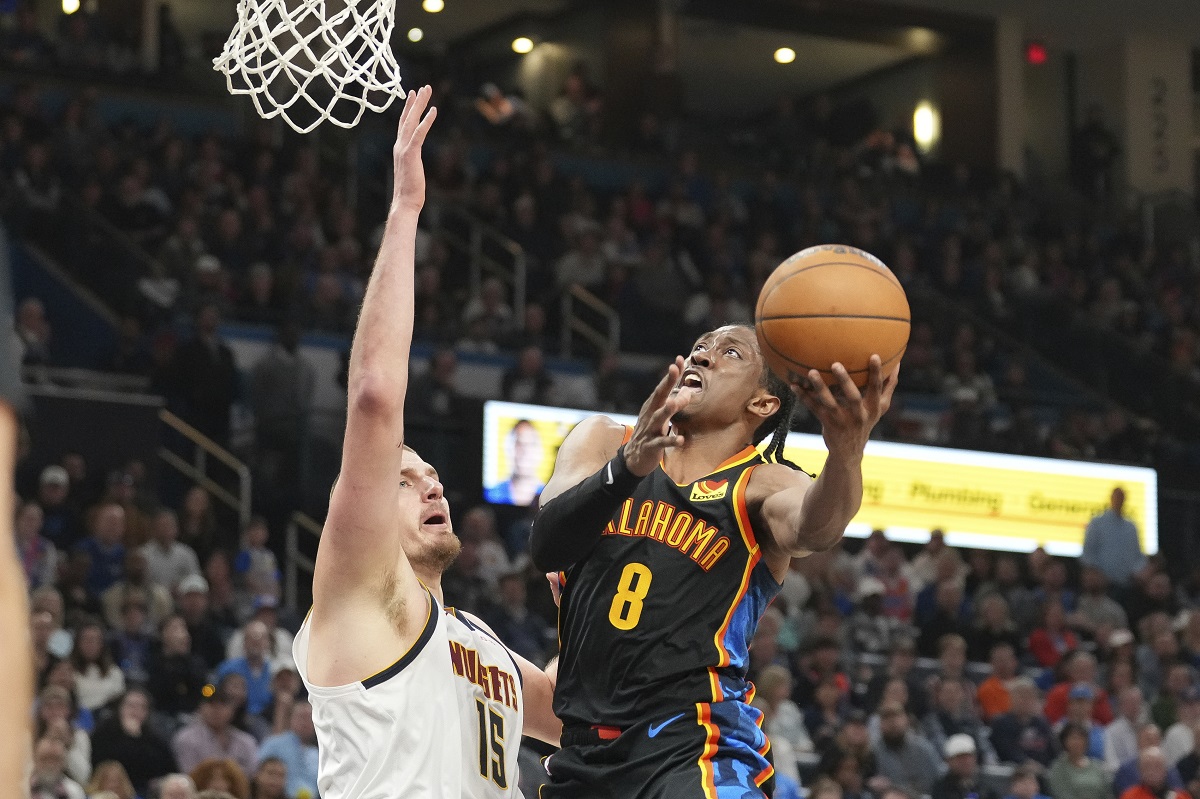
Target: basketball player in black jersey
672	538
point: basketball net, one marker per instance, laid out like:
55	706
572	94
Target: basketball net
309	61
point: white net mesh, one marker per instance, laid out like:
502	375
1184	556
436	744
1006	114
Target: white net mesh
313	60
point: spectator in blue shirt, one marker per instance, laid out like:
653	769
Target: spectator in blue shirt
296	749
1111	544
254	667
105	549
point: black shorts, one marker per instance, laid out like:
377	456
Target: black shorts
710	751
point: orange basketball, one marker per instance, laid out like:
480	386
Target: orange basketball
831	304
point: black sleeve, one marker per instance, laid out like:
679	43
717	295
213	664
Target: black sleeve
568	526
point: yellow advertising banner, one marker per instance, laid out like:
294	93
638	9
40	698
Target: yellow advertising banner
979	499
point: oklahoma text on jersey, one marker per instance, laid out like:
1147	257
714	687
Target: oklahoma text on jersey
663	522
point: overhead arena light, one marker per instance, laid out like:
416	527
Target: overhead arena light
522	44
415	34
433	6
785	55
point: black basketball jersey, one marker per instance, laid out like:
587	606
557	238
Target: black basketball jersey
660	614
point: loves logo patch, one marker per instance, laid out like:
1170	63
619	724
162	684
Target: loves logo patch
709	490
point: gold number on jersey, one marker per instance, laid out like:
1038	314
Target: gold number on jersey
626	610
491	742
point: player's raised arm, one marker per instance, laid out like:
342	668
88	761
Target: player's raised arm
16	672
360	545
594	473
805	515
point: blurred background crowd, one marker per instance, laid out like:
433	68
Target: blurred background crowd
1049	319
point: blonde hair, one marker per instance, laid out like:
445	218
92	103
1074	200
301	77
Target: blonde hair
770	678
105	770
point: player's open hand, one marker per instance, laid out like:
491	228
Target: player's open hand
652	434
409	190
848	415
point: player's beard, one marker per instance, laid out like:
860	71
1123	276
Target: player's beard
438	556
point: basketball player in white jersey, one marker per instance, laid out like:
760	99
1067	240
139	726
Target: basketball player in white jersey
410	699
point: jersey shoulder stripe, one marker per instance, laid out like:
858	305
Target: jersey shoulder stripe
413	651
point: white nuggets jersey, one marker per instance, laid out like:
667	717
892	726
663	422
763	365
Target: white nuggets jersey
443	722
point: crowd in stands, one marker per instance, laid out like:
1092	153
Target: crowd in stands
261	231
161	649
163	656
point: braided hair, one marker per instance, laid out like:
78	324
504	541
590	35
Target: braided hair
778	424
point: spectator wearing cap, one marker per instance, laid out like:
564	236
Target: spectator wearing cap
953	714
902	660
1081	700
60	520
1120	737
193	607
1080	669
871	631
1111	544
297	749
105	549
177	674
903	756
1130	774
168	561
992	695
136	582
961	780
212	735
1023	735
1073	774
127	738
265	608
1024	784
1154	780
1179	739
254	666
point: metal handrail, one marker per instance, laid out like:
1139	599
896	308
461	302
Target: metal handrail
72	377
197	469
573	324
479	232
295	560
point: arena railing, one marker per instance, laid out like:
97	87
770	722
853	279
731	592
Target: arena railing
206	452
602	337
296	559
487	251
